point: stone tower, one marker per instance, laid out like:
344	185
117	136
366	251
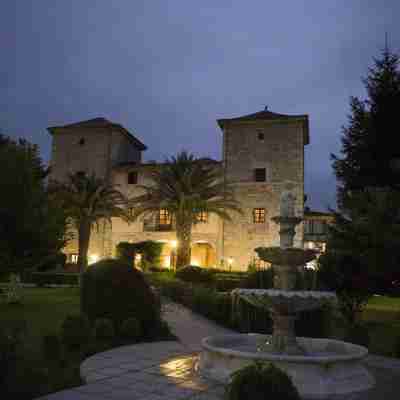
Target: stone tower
93	146
263	156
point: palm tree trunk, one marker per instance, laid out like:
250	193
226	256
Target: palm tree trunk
184	236
83	241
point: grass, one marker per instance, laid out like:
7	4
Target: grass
43	310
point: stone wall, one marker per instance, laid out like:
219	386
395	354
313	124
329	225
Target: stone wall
281	153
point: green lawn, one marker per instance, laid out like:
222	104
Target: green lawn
43	309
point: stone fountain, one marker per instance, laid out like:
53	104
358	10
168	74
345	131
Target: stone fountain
320	368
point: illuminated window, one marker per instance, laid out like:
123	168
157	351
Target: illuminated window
165	217
259	175
202	216
74	258
132	178
259	215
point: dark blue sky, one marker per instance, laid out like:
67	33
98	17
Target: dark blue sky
167	69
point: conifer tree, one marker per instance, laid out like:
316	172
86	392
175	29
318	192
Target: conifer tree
370	151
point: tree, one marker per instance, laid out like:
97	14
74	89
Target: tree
363	253
185	187
32	225
87	200
370	152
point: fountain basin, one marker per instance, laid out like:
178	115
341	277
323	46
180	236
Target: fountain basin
330	367
290	301
285	256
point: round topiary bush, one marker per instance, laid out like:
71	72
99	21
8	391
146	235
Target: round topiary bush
104	330
75	332
260	381
195	274
113	289
131	329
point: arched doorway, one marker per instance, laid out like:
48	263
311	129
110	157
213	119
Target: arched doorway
203	254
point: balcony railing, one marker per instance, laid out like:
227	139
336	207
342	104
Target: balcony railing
150	226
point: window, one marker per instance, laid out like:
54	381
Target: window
80	174
81	141
260	136
131	211
165	217
202	216
259	215
132	178
73	258
259	175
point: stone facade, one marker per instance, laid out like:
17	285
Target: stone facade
263	156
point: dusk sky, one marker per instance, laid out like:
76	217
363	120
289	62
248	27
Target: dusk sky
167	69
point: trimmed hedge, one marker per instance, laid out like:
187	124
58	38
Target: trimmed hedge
218	307
113	289
195	274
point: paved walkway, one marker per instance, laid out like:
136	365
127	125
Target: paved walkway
165	370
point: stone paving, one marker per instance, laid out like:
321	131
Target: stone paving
166	370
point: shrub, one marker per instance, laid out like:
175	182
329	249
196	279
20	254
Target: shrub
75	332
52	349
195	274
260	381
131	329
113	289
104	330
42	279
149	250
262	279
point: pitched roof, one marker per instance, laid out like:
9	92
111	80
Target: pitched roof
150	164
99	123
266	115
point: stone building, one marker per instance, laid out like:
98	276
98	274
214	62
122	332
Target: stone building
262	157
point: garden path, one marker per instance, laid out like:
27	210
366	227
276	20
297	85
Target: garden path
165	370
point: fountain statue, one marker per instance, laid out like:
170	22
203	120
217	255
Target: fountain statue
319	368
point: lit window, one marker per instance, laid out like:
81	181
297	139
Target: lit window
259	175
202	216
165	217
74	258
259	215
132	178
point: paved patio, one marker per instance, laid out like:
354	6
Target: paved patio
166	370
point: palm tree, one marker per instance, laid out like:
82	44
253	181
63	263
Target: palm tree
87	200
184	187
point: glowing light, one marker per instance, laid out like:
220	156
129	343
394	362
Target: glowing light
311	265
93	258
195	262
230	261
174	244
167	261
